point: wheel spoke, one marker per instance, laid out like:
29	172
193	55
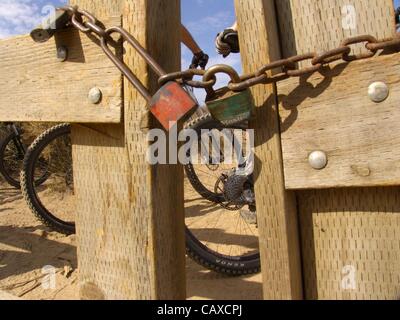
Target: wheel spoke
219	229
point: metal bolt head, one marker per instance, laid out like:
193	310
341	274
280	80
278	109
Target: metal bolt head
62	53
318	160
95	95
378	91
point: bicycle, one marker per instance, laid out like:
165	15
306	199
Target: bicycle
12	153
55	148
228	243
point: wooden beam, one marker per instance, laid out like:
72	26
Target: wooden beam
332	112
130	214
276	208
36	87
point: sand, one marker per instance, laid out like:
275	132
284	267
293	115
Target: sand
27	247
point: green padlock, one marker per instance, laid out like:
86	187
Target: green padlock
225	106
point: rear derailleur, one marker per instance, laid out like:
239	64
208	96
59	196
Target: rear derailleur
237	191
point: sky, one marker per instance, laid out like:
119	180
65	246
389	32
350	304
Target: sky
204	19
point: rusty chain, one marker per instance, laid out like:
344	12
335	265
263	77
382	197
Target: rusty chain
87	23
287	67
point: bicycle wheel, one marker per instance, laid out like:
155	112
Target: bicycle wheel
220	236
204	188
53	201
12	153
11	159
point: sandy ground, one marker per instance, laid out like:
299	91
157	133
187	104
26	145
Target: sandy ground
26	247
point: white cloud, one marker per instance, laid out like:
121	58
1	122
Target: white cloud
18	16
219	21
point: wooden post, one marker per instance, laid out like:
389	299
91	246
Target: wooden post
350	237
276	207
130	219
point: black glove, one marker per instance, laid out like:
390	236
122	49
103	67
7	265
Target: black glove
199	60
227	42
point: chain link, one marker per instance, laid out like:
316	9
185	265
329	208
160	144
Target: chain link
286	68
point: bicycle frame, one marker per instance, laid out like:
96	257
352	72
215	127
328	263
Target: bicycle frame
21	149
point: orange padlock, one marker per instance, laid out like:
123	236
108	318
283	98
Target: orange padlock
172	103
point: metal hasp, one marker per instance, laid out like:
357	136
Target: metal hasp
48	28
226	106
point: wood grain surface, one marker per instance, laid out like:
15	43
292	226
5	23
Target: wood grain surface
276	207
130	215
332	112
36	87
350	236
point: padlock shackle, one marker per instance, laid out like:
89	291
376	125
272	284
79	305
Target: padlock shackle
211	73
121	65
221	68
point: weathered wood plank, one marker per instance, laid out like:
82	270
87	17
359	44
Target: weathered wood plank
276	207
35	86
351	243
350	236
130	214
334	114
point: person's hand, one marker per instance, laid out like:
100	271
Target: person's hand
199	60
227	42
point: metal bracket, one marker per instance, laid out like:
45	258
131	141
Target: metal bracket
48	28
